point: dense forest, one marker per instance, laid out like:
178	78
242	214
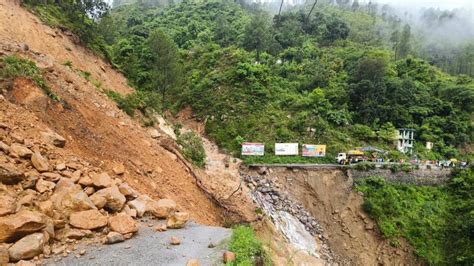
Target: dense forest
343	74
325	77
340	75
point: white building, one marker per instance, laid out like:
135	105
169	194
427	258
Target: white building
406	140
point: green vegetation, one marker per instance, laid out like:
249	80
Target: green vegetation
136	101
12	67
192	148
78	17
247	247
327	79
437	221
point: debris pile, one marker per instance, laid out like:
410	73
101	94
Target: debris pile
49	202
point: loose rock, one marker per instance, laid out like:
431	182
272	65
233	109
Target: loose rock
15	226
18	150
123	224
39	162
27	247
177	220
175	241
10	175
228	257
114	237
101	180
53	138
7	204
4	256
91	219
119	169
43	186
114	199
162	208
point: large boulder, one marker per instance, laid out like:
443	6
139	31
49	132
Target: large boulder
10	175
90	220
114	199
160	209
163	208
18	150
7	204
28	247
177	220
39	162
140	204
68	197
123	224
101	180
53	138
15	226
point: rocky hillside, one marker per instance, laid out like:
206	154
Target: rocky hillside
51	198
73	167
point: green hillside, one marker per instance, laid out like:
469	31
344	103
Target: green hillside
328	79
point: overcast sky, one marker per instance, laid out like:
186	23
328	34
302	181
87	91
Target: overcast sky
444	4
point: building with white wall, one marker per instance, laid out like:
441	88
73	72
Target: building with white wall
406	140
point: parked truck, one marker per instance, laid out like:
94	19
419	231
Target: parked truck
352	156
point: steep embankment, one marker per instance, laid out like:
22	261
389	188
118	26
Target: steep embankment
328	196
93	126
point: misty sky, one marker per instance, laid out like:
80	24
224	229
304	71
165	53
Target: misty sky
443	4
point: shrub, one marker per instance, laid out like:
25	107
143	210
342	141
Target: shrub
192	148
406	167
417	213
364	166
247	248
138	100
13	67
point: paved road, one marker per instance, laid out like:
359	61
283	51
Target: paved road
149	247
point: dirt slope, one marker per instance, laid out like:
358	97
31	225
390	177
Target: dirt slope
94	127
19	26
329	196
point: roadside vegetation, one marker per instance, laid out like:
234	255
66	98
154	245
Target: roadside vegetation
437	221
247	248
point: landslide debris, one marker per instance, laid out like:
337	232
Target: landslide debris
46	207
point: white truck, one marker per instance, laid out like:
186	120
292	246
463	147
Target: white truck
352	156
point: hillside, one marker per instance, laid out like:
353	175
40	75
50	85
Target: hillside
121	124
329	80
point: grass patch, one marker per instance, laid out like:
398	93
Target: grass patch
192	148
13	67
247	248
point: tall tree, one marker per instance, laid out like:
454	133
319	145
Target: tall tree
257	34
165	66
404	48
